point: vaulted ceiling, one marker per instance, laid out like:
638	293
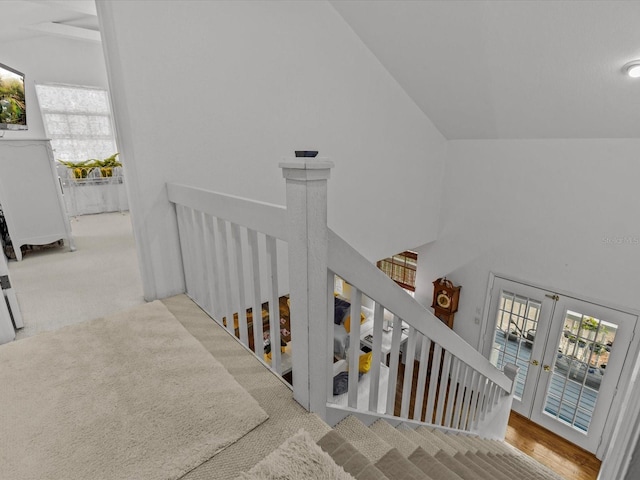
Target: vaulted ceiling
510	69
478	69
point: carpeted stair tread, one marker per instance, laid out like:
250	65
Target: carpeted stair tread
528	461
479	471
485	445
441	444
397	467
470	459
432	466
393	437
524	463
349	458
504	464
460	468
425	443
473	444
359	435
456	444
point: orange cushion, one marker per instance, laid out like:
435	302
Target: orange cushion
364	362
347	321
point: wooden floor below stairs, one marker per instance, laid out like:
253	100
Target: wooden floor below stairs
572	462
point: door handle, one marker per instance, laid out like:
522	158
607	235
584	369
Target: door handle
535	362
547	368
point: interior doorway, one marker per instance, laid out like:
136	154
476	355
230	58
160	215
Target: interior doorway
571	355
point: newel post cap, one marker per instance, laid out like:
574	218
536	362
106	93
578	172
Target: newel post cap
306	168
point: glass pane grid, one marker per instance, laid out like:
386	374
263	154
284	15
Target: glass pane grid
580	365
516	325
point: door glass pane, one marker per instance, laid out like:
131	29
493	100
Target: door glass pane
580	365
516	328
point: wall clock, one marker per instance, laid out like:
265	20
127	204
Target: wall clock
445	300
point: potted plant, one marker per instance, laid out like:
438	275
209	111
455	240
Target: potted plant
82	169
93	186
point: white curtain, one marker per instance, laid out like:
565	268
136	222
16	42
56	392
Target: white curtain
77	120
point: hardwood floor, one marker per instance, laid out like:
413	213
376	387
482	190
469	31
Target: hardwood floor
564	458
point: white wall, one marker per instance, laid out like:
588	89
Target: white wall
215	94
50	59
562	214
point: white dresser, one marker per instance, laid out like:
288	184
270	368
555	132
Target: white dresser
31	196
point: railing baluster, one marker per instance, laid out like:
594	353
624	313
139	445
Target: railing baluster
376	358
226	272
274	304
425	347
444	386
434	376
331	313
410	355
484	399
200	271
393	363
459	401
181	213
492	394
256	305
354	346
477	409
211	266
471	396
221	308
239	268
453	388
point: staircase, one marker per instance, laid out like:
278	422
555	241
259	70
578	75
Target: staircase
376	452
381	451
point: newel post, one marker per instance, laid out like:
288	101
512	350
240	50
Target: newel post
511	371
307	236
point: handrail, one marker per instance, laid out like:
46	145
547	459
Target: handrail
262	217
349	264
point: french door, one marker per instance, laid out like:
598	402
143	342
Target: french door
571	354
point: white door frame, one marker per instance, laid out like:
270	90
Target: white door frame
628	371
523	403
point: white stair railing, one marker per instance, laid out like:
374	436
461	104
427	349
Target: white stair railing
230	256
455	386
234	263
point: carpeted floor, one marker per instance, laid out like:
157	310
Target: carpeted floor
130	396
56	287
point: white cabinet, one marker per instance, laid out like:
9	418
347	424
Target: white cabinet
30	195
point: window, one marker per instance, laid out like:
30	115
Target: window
401	268
78	121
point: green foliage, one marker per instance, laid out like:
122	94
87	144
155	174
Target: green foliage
12	103
82	169
590	323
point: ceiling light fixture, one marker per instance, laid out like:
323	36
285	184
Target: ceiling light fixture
632	69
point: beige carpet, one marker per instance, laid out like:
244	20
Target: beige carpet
130	396
297	458
56	287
